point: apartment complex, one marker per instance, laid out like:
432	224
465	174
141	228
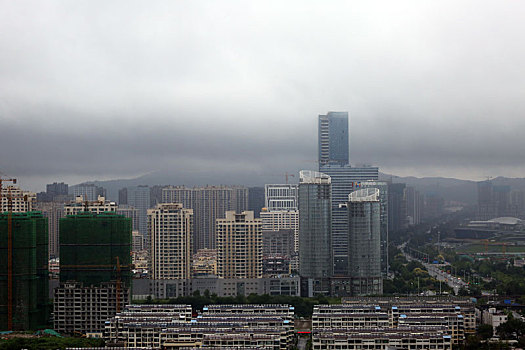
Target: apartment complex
219	326
81	204
17	200
239	246
171	230
90	192
436	322
209	204
83	309
24	291
95	271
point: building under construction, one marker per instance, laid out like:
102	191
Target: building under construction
95	271
92	246
24	295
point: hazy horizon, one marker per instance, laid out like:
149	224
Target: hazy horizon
106	90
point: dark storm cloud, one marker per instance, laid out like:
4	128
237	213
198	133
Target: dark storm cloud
118	89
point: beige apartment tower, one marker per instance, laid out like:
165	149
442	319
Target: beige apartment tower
239	246
170	228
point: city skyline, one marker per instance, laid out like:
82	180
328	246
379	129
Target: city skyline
422	89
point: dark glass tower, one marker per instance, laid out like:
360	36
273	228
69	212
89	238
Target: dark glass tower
333	138
315	234
364	237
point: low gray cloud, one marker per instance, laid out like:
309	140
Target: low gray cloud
96	89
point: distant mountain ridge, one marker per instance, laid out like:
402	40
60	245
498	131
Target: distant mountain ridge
450	189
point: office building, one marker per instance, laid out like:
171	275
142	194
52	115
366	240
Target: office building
171	231
21	201
95	271
344	179
415	201
281	197
364	237
397	207
90	192
24	291
239	246
222	287
315	237
382	186
333	138
433	206
255	200
209	204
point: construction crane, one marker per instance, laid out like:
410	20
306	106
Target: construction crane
118	284
502	244
286	176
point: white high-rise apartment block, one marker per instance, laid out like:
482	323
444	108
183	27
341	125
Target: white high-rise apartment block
21	201
239	246
99	206
281	212
171	230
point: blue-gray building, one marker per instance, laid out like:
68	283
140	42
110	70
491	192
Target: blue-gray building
364	236
344	180
382	186
315	238
333	138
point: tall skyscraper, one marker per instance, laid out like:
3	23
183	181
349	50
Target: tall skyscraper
239	246
397	207
28	275
255	200
333	138
414	205
171	231
315	234
343	180
364	232
382	186
209	204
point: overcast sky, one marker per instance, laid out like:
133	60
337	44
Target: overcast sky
115	89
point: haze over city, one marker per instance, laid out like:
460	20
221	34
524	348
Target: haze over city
95	90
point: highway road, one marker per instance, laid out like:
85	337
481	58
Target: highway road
434	270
